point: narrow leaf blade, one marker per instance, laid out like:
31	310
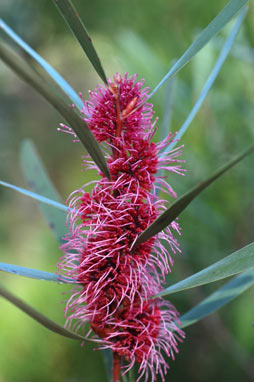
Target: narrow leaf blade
61	82
26	72
166	118
33	273
233	264
33	195
77	27
179	206
37	316
39	182
210	31
218	299
212	77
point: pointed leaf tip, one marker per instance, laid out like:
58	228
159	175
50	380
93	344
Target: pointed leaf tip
219	298
179	205
237	262
38	179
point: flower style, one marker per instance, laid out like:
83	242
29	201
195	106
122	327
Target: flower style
117	282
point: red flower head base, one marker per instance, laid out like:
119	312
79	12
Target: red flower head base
116	281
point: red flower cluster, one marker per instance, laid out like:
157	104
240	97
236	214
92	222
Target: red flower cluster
117	281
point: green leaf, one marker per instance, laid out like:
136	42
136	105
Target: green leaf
39	182
51	94
235	263
124	378
166	118
77	27
35	196
218	299
108	362
33	273
37	316
179	206
210	31
212	77
167	114
60	81
131	375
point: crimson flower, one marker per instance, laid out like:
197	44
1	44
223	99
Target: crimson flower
116	283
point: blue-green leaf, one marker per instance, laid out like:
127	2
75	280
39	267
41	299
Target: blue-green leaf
39	181
77	27
35	196
218	299
180	204
33	273
216	69
237	262
37	316
44	64
210	31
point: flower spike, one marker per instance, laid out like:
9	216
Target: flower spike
116	280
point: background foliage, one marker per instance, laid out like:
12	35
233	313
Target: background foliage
142	37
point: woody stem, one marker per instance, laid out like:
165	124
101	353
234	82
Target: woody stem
116	367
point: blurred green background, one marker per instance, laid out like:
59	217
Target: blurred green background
139	37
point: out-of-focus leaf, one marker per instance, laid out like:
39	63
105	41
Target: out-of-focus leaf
179	206
129	43
38	180
108	362
131	375
37	316
77	27
222	57
237	262
240	51
26	72
35	196
74	97
166	118
218	299
211	30
33	273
